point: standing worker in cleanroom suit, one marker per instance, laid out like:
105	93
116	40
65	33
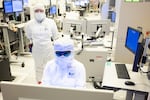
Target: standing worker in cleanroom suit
64	70
41	31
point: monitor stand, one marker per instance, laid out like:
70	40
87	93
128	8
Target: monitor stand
137	57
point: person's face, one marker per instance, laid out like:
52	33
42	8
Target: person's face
63	59
39	15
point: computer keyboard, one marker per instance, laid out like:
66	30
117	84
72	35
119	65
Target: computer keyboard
122	71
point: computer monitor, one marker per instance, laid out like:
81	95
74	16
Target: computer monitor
78	25
132	39
52	10
77	3
25	2
8	8
17	5
86	1
113	16
20	91
94	24
81	3
132	44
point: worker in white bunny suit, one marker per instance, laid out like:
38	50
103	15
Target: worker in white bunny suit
41	31
64	70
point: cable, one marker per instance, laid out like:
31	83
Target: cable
78	53
144	71
95	85
99	86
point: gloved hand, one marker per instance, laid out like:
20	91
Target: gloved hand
30	47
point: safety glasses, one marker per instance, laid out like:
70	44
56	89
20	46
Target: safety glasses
62	53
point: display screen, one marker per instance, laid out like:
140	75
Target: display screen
132	39
25	2
7	5
77	3
53	10
81	2
113	16
17	5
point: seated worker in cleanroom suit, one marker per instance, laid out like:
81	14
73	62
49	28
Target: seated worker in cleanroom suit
64	70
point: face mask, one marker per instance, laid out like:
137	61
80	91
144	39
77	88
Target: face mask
39	16
64	62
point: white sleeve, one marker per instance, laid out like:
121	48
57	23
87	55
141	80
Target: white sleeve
55	34
81	78
46	75
28	31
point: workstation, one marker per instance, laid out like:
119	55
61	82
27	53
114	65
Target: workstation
111	39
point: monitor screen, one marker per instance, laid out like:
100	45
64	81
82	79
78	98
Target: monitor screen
77	3
25	2
53	10
113	16
7	5
81	2
132	39
17	5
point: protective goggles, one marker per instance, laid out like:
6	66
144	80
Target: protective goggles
62	53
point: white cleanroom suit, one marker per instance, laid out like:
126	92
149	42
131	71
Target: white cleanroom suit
64	70
40	31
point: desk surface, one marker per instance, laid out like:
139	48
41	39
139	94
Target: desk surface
3	25
110	79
